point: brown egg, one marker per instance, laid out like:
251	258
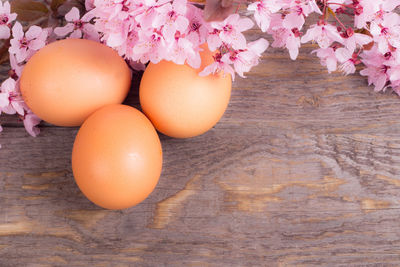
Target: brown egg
117	157
66	81
179	102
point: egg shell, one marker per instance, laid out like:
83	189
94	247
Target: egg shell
67	80
179	102
117	157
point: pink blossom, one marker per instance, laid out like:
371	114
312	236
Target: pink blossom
323	34
30	122
213	40
10	99
126	45
150	12
294	20
171	19
353	39
376	76
292	44
244	60
284	37
348	60
183	51
394	73
151	47
376	67
25	45
230	32
263	10
112	20
392	61
365	11
221	63
309	6
78	27
387	32
197	30
6	17
16	68
327	58
116	32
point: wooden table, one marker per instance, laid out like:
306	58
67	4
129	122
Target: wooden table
302	170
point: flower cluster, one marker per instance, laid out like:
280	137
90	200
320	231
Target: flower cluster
369	35
174	30
22	47
349	35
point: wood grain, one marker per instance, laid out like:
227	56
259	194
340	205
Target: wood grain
302	170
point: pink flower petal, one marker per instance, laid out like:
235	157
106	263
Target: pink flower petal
115	39
18	107
30	122
88	16
6	7
395	75
168	32
240	42
231	19
293	44
72	15
259	46
37	44
210	69
8	85
4	32
380	83
331	64
89	4
14	46
76	34
374	29
245	24
213	42
33	32
180	6
21	55
389	5
63	31
292	20
181	23
8	110
343	54
311	33
17	31
12	17
194	61
362	39
4	102
91	32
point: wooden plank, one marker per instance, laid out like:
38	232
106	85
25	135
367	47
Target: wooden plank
245	198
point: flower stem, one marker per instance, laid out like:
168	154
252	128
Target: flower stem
338	20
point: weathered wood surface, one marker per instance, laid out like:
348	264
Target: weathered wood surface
302	170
